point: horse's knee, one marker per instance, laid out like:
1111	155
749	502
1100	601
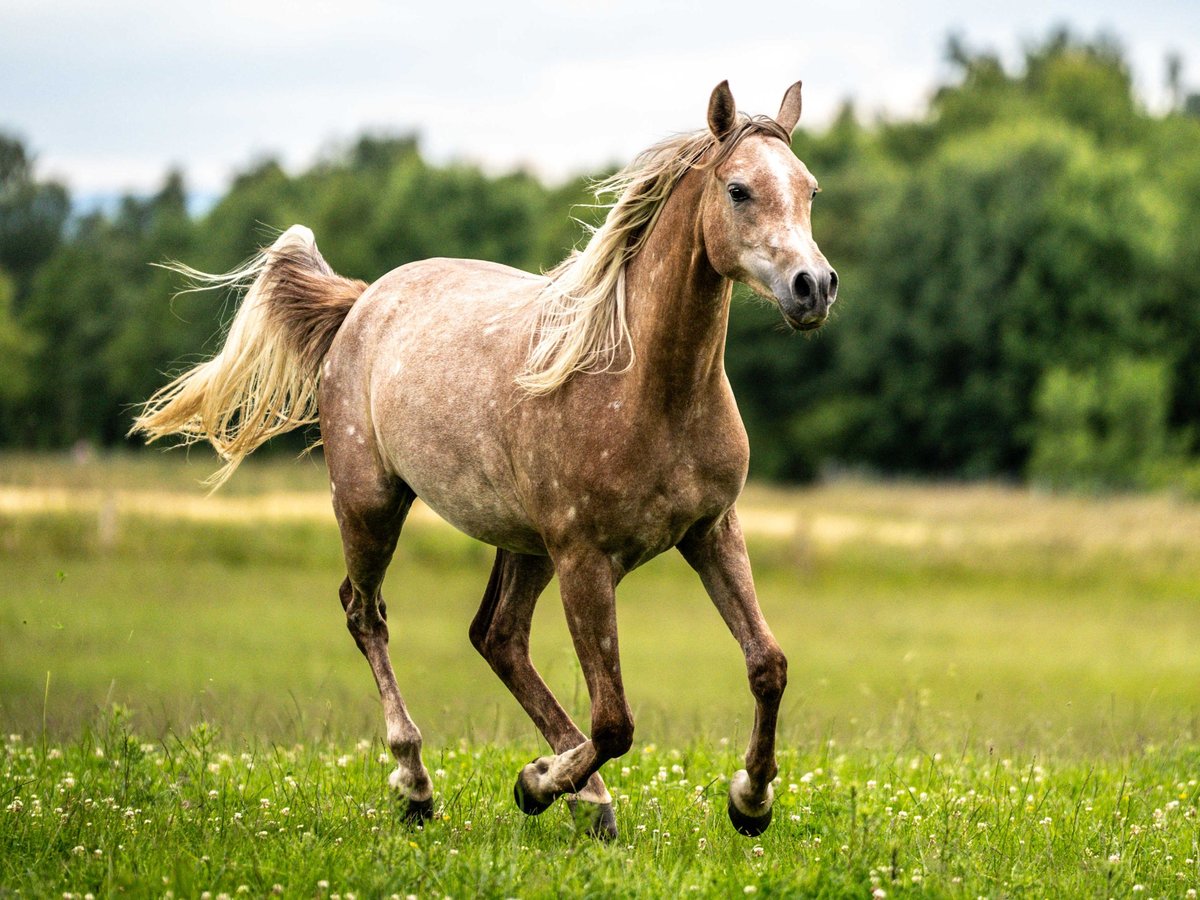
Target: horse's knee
768	674
612	737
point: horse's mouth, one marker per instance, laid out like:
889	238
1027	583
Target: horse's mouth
808	323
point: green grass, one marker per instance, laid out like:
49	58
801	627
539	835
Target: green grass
111	813
994	691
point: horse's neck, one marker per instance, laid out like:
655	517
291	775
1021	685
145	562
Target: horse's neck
678	305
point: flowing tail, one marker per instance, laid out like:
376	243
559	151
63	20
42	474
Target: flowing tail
264	380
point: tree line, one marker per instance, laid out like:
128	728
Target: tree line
1019	265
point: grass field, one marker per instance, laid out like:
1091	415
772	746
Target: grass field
991	693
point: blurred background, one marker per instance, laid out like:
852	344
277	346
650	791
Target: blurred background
1011	196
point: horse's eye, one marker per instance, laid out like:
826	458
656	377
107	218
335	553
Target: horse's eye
737	193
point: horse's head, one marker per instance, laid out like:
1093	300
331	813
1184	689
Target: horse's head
756	213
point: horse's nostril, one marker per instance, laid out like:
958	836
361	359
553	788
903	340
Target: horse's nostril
833	284
804	286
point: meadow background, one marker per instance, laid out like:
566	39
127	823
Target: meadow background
973	521
992	693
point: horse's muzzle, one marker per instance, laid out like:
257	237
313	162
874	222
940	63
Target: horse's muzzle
813	291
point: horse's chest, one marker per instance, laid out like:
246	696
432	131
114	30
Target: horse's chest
634	500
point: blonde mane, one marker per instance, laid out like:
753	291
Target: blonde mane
581	324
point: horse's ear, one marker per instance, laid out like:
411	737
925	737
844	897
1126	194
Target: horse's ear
789	110
722	112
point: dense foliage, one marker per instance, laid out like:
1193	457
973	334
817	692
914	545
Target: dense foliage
1006	260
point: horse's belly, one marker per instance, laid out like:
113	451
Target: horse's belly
474	506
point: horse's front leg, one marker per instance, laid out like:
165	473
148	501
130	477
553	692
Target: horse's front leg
718	554
587	582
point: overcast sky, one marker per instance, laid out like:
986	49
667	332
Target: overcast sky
109	94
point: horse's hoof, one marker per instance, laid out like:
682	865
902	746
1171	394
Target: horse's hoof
418	812
526	802
595	819
750	826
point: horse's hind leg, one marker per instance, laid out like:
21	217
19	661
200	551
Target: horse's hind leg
500	632
370	513
588	580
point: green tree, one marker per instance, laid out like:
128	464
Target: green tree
32	214
1105	427
17	348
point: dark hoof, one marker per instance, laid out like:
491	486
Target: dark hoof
594	819
750	826
526	801
418	812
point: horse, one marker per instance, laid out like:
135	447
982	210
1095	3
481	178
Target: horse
580	421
